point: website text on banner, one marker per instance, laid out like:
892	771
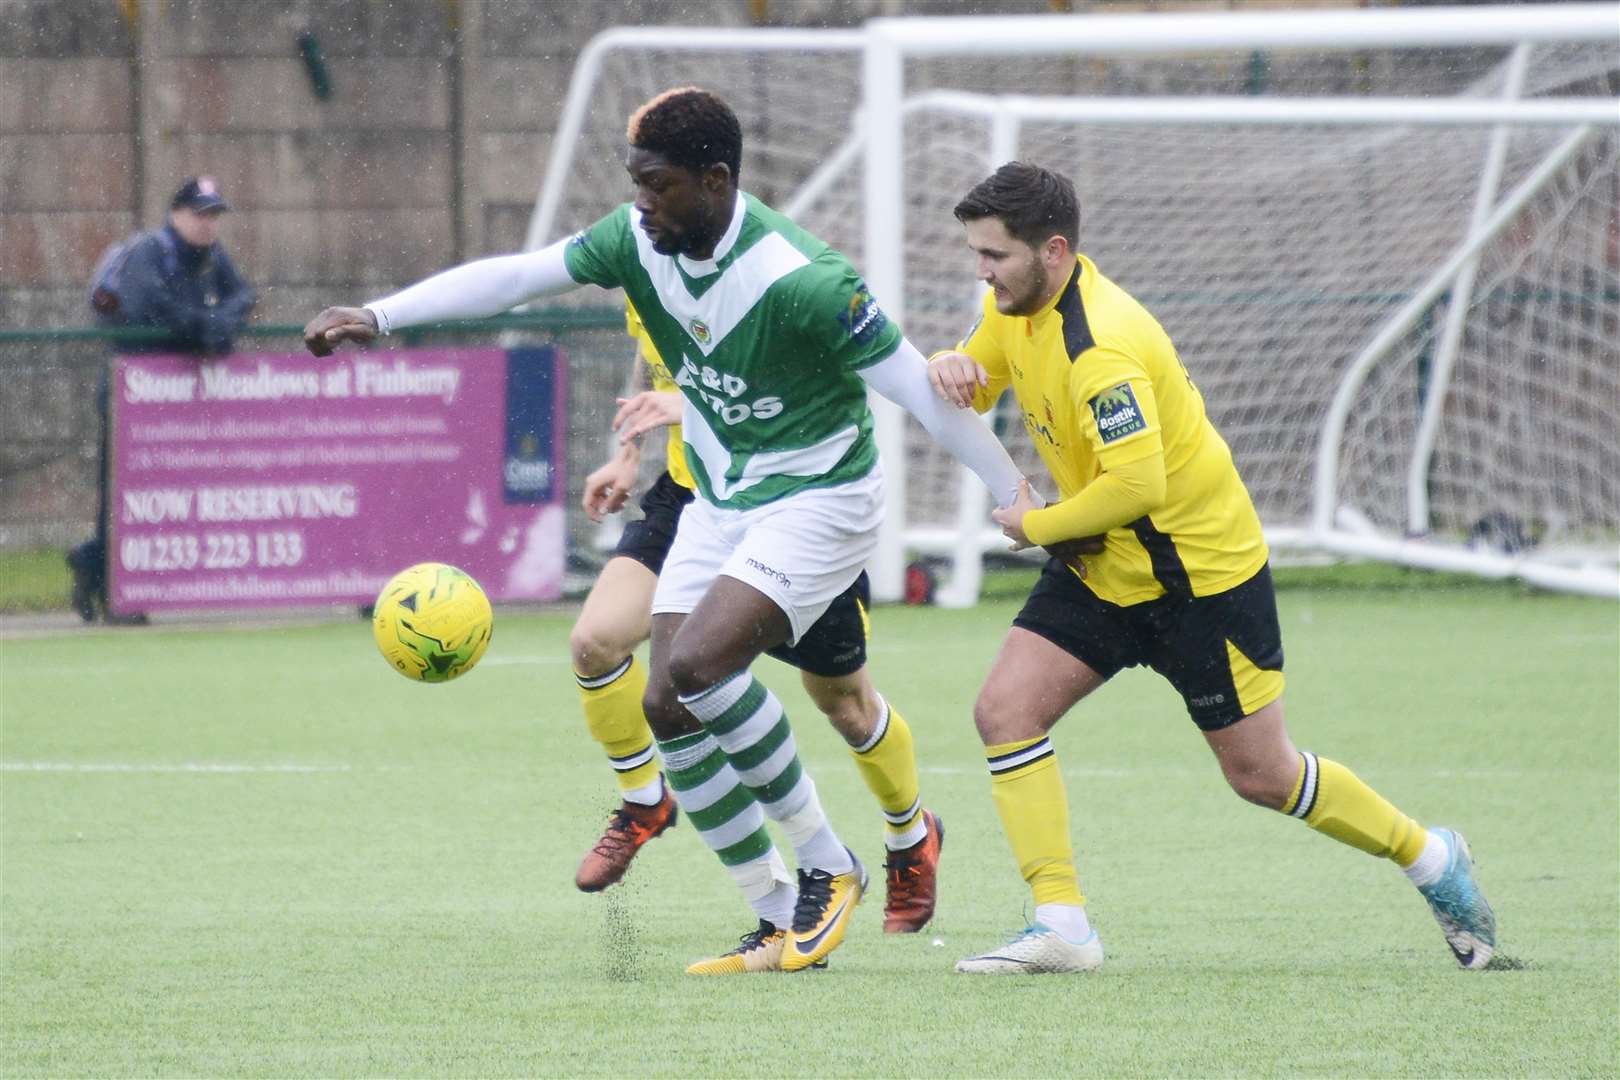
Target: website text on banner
269	480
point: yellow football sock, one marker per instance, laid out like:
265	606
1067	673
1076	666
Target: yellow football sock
1333	800
612	705
1028	791
888	764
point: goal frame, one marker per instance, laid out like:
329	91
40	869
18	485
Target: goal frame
885	44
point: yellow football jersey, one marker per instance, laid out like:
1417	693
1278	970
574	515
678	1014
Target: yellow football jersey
662	380
1100	387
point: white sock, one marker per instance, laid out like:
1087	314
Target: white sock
776	907
1069	920
824	851
1431	864
899	841
647	794
815	845
765	885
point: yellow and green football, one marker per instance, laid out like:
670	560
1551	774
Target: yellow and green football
432	622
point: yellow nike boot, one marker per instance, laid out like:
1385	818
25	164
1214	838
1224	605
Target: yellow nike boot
759	950
826	902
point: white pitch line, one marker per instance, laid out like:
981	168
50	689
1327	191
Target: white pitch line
1111	774
509	661
161	767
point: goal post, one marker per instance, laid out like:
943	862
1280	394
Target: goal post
1562	138
1284	190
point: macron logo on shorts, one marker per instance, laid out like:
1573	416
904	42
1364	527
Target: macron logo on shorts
772	573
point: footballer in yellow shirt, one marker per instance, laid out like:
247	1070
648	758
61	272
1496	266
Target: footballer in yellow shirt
664	383
1158	560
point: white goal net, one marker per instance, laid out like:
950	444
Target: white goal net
1405	319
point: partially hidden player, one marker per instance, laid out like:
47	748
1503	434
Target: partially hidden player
617	617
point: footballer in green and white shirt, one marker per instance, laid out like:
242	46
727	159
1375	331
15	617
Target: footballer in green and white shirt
773	340
766	339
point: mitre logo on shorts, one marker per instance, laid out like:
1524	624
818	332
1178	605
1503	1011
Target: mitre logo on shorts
700	331
861	316
1117	413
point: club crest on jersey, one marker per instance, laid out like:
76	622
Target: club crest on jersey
1117	413
861	316
700	331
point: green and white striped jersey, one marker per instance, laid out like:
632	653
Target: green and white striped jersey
765	340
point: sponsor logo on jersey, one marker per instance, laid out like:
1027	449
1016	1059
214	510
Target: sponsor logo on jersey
1050	419
1038	430
709	384
700	331
861	316
1117	413
660	370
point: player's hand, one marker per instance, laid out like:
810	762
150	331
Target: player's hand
647	410
607	488
957	377
1068	552
332	327
1080	545
1011	518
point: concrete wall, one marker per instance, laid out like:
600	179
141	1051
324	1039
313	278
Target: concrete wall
428	151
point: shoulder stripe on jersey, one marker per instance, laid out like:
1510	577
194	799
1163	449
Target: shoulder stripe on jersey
1167	565
1076	327
718	311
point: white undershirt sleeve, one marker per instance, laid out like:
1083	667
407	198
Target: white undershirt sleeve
903	379
477	290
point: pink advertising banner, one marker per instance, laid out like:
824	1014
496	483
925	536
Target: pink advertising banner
272	480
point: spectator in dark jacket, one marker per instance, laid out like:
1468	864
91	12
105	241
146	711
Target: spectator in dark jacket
178	279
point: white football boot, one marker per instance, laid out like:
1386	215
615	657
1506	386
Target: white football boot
1036	950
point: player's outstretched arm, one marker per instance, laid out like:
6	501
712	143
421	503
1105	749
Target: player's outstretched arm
474	290
903	379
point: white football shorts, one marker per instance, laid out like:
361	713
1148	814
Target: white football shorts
801	551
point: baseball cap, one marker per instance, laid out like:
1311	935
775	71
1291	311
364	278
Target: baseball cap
200	194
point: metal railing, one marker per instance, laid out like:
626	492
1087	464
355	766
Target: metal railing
50	426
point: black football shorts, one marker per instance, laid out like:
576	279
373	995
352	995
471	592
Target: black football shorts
1222	653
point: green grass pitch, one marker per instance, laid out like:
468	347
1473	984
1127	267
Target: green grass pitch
259	852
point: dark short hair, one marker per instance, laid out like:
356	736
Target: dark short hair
690	127
1032	202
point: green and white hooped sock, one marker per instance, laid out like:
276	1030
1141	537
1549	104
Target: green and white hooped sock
748	722
729	819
